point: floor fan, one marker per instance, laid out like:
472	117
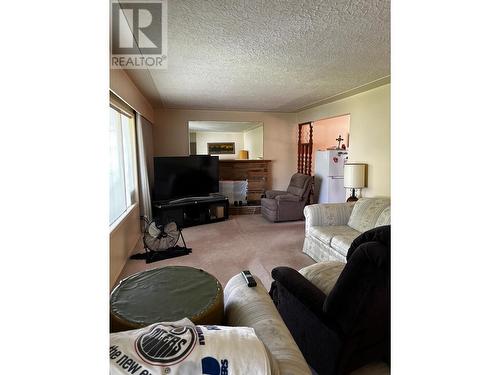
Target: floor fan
160	241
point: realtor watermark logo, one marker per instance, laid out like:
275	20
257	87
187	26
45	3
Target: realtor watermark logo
138	34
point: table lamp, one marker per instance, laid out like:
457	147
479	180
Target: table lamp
354	178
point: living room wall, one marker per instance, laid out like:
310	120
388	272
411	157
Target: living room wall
252	140
204	138
171	136
370	134
122	85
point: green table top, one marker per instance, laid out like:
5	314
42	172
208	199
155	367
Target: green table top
164	294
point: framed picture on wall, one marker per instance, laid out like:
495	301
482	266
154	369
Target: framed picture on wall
220	148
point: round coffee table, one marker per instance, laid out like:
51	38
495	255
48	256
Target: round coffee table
166	294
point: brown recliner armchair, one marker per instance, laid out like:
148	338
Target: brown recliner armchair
347	327
278	205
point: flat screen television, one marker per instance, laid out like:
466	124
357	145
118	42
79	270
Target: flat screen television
185	176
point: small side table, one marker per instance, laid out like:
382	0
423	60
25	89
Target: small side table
166	294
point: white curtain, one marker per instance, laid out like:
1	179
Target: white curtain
144	192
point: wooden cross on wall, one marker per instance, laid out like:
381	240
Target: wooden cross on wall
339	139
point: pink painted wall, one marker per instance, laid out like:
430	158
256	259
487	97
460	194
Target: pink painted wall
326	131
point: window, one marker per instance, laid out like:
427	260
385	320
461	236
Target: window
122	180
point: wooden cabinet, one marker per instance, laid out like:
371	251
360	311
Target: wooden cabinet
257	172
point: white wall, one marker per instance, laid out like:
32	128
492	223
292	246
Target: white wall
370	133
171	136
202	138
253	142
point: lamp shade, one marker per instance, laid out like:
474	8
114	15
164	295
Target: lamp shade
354	176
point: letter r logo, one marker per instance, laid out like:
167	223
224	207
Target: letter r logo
136	25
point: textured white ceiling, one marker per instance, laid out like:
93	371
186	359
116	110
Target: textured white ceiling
223	127
268	55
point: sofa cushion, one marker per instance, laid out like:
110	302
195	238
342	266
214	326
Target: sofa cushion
384	218
337	236
322	233
366	212
342	239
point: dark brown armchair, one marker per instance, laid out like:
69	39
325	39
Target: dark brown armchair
348	328
278	205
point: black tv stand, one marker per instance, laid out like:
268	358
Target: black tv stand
190	211
194	199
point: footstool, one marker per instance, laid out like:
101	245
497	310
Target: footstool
166	294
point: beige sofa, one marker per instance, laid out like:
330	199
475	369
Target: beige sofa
331	228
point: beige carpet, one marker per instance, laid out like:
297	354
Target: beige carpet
242	242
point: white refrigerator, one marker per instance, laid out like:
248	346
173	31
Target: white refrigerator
329	176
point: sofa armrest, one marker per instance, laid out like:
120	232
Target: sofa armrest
327	214
323	275
253	307
297	285
273	193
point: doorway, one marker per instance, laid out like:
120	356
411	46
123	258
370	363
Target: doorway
327	139
330	133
